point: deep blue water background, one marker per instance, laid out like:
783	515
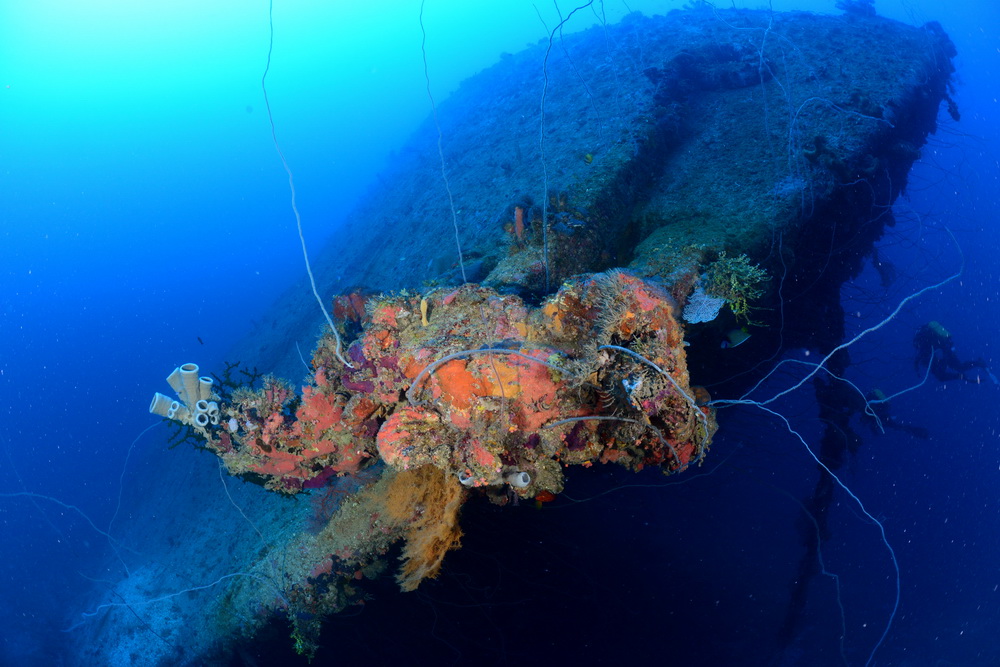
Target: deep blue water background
142	208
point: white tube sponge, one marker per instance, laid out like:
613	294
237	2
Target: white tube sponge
160	405
205	386
518	480
201	416
176	383
189	378
179	413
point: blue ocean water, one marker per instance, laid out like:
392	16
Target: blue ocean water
145	222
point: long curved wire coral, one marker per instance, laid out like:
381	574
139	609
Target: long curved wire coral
437	124
541	140
291	186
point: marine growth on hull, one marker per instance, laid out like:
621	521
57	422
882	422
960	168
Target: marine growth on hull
700	182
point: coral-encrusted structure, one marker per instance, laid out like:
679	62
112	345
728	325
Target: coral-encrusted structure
747	156
482	387
452	393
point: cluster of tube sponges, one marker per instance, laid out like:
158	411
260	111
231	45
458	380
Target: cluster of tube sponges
517	479
197	405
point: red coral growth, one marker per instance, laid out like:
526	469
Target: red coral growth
318	411
398	439
523	375
351	307
457	385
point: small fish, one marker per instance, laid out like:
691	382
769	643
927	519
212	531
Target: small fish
200	340
735	337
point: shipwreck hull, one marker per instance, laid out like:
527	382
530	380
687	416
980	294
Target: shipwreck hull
685	176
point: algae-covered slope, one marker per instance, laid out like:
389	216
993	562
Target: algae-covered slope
655	144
